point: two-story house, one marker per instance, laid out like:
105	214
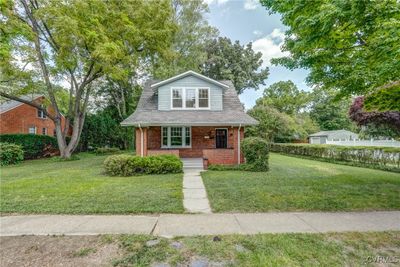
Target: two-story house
191	116
20	118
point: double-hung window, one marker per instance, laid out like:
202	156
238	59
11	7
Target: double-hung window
177	98
41	114
32	129
190	98
176	136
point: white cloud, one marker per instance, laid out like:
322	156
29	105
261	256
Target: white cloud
257	32
218	2
250	4
270	46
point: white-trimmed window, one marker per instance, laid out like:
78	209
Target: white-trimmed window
176	136
44	131
32	129
203	98
190	98
41	114
177	98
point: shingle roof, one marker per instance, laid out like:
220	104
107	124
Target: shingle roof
333	133
8	105
147	113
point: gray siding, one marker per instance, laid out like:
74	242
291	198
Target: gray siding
164	92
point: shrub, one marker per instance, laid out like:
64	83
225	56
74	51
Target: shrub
256	152
387	158
106	150
10	154
34	146
128	165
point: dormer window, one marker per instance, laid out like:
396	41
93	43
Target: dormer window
194	98
41	114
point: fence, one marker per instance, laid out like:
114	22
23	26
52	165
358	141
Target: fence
372	142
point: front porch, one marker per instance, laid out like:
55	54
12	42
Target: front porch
219	144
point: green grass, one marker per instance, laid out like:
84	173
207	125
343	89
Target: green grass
333	249
295	184
81	187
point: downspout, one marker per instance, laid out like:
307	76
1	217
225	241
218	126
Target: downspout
141	141
240	125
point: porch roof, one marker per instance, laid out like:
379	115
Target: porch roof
147	113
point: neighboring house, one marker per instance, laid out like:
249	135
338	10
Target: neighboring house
190	115
323	136
17	117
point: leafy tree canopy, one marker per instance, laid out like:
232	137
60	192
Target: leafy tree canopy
189	41
285	97
329	112
79	42
350	45
232	61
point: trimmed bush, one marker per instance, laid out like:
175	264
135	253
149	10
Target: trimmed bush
386	158
106	150
34	146
256	152
10	154
129	165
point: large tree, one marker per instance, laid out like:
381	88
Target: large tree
189	41
235	62
350	45
329	112
285	97
78	42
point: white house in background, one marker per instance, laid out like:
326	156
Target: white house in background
323	136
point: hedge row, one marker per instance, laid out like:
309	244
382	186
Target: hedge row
129	165
387	158
34	146
106	150
10	154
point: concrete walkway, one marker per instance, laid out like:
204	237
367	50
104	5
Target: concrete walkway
194	193
170	225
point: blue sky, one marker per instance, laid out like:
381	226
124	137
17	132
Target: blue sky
247	21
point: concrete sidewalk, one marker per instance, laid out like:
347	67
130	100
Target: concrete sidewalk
170	225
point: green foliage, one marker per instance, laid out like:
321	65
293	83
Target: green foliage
103	129
285	97
128	165
34	146
189	40
387	99
10	154
273	125
387	158
329	112
281	115
350	45
234	62
106	150
81	42
256	153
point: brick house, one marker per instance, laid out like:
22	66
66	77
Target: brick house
191	116
17	117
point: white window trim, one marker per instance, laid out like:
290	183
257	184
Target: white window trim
169	137
183	88
34	127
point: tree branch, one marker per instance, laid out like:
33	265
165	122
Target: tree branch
30	103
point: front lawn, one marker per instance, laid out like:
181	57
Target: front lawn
295	184
333	249
81	187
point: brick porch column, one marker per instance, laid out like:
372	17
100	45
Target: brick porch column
141	136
